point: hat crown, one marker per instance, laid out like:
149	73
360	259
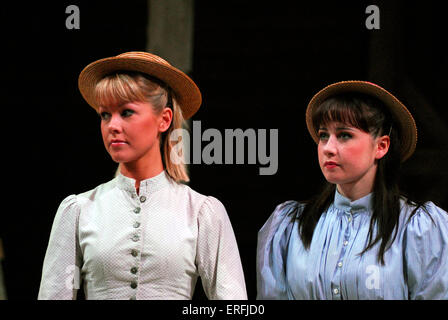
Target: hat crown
185	91
144	55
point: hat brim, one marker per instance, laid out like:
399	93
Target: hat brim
401	114
186	93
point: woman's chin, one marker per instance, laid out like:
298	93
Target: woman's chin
120	158
333	179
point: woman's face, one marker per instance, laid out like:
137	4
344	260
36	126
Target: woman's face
347	155
131	131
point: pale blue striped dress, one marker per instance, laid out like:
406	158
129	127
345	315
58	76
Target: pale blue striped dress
416	265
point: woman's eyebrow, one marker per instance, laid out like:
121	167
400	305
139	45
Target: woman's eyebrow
103	107
345	128
338	128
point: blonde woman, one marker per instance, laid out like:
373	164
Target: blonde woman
144	234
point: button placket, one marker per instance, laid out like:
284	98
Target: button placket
336	292
137	218
136	252
134	271
137	223
347	234
337	275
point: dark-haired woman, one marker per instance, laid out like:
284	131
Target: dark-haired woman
359	238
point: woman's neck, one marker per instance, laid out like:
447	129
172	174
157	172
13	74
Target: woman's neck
352	193
360	188
141	170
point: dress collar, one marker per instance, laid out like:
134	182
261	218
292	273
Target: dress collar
344	204
147	186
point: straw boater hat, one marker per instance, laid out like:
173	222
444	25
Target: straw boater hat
400	113
185	91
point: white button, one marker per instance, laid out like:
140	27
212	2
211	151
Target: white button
349	219
345	242
336	291
340	264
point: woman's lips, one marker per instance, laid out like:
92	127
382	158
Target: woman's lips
330	164
117	143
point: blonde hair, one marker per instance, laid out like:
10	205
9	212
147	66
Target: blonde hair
126	86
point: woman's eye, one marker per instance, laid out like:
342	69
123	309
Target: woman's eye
345	135
104	115
323	135
127	113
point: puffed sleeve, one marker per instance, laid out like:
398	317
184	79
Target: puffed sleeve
426	254
272	244
217	256
62	262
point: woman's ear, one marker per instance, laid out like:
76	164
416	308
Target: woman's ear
382	144
165	119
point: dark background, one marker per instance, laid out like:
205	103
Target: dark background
257	64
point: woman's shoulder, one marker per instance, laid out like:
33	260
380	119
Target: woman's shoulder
199	202
76	200
288	209
67	211
282	218
183	190
97	191
425	218
70	202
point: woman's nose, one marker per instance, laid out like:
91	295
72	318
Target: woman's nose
115	124
330	147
